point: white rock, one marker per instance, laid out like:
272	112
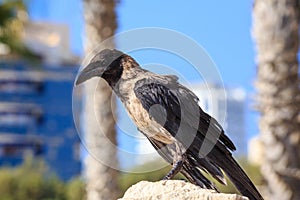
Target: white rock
174	189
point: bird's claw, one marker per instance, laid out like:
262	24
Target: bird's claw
175	169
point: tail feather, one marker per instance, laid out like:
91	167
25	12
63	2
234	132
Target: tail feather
235	173
220	157
216	160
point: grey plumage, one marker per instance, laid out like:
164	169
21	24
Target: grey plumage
168	114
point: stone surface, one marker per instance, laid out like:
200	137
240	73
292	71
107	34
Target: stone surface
174	189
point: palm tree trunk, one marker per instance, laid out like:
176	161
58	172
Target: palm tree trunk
276	31
100	134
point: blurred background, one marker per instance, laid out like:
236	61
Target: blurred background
43	43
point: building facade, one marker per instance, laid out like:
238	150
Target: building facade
36	117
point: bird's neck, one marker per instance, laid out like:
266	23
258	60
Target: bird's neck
128	77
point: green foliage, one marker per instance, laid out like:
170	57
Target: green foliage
31	181
75	189
13	16
128	179
8	10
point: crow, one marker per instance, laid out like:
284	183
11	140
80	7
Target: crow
169	115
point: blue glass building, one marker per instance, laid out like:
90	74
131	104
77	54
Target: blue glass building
36	117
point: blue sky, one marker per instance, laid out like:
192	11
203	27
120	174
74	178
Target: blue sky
222	28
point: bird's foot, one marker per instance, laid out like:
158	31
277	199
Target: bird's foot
175	169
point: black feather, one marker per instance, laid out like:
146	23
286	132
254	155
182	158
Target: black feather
207	146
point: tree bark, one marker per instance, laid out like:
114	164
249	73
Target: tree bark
276	31
100	134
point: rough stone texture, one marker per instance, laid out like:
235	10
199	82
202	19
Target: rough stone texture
174	189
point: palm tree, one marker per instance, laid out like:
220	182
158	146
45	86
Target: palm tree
100	134
276	31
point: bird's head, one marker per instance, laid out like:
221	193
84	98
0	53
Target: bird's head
105	64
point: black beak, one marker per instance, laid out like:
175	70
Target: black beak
93	69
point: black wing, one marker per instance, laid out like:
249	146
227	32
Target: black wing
179	113
179	106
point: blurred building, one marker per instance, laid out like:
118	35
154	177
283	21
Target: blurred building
255	151
36	117
227	105
50	40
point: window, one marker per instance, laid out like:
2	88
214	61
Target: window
20	86
15	114
18	146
